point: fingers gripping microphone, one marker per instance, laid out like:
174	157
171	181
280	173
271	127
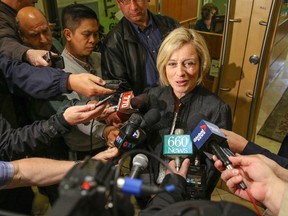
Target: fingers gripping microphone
177	146
207	136
140	162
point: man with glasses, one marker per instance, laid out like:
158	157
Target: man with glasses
130	49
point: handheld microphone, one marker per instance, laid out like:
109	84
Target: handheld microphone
124	103
130	133
145	102
209	137
133	132
176	146
139	163
150	118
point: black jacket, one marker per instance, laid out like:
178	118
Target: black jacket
21	79
21	142
252	148
198	102
10	42
174	203
124	56
16	80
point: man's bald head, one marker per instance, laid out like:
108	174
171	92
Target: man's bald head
33	28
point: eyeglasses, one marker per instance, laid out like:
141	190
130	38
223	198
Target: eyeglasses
127	2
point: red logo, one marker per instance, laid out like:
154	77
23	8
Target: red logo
203	127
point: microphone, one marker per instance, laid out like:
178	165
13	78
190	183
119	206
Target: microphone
177	146
140	162
208	136
137	188
133	132
141	102
145	102
129	134
132	186
124	102
150	118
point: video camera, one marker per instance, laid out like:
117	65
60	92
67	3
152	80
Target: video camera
95	188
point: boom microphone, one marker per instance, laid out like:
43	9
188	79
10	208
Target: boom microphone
139	163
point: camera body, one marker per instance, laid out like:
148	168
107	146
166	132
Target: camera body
56	61
196	182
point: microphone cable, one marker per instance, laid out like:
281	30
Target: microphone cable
118	168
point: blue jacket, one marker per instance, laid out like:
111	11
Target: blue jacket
18	79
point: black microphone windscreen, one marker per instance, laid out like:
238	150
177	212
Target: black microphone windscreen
151	118
133	123
140	102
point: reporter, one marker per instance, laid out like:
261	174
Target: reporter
10	42
261	180
40	171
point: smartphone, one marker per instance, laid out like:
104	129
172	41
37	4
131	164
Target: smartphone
112	84
56	61
103	100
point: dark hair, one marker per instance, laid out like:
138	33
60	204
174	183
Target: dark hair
206	10
74	13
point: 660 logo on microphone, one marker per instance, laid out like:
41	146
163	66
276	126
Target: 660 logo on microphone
177	144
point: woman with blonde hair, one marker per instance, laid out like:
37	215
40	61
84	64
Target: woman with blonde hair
182	62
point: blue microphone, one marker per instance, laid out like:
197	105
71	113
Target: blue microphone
206	133
207	136
136	187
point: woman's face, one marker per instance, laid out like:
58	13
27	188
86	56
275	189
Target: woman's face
182	70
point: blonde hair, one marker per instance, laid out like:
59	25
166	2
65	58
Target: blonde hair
174	41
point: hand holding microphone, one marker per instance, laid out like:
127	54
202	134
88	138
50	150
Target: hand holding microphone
183	167
177	146
207	136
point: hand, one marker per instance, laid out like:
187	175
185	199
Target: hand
183	169
107	154
279	171
260	179
114	119
81	114
36	57
110	133
87	84
106	112
236	142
